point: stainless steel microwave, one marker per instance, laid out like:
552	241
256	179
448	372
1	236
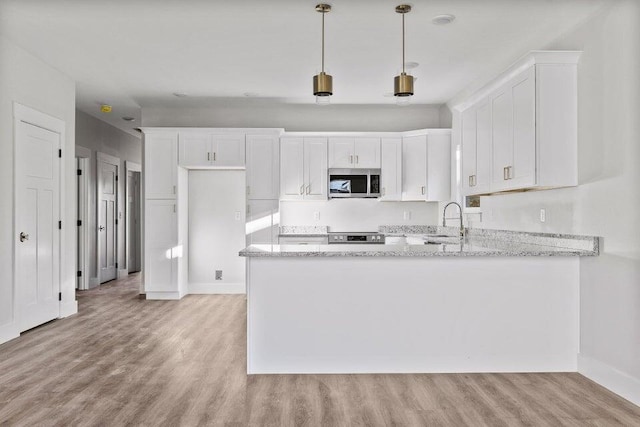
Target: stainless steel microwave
354	183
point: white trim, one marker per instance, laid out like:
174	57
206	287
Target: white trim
122	273
217	288
83	230
22	113
8	332
68	308
94	282
130	167
163	295
221	131
112	160
609	377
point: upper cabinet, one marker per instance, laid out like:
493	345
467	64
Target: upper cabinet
391	169
160	165
303	168
263	167
426	166
520	131
206	149
354	152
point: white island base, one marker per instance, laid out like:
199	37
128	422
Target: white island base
412	315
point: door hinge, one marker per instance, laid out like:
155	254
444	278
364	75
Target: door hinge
79	172
59	296
59	225
79	273
60	153
116	265
79	223
116	177
116	222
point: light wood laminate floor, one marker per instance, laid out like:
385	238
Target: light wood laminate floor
126	361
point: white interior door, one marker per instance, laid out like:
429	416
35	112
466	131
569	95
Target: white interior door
107	216
133	221
37	228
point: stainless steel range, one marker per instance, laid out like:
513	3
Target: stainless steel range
365	238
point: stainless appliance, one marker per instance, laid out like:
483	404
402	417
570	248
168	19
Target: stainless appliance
354	183
366	237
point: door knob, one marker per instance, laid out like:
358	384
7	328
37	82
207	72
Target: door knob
23	236
101	228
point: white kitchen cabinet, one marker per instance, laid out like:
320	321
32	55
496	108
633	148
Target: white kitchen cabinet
414	168
263	167
476	149
161	249
160	165
206	149
263	222
303	168
438	166
520	131
391	169
356	152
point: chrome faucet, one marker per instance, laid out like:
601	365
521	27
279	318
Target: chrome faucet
444	217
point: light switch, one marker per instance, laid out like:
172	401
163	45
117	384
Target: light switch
316	216
543	215
407	215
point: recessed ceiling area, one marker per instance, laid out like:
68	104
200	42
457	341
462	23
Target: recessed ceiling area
138	53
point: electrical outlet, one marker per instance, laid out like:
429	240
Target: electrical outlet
406	215
316	216
238	216
543	215
218	274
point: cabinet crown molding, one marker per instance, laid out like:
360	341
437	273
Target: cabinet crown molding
534	57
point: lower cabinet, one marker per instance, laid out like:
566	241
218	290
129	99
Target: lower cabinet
162	251
263	222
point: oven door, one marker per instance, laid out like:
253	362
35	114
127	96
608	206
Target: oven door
346	183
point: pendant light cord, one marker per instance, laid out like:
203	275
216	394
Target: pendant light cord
323	13
403	43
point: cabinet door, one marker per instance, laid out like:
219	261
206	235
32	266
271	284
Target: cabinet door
160	165
161	251
482	180
391	173
502	131
228	150
291	168
315	168
195	149
263	222
341	153
523	171
263	167
367	153
414	168
469	150
438	167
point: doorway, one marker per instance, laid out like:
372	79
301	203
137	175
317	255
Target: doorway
133	212
82	211
107	176
37	216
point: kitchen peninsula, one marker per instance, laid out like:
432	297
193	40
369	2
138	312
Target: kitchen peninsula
495	302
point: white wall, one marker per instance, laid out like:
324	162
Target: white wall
216	230
357	214
302	117
607	201
99	136
31	82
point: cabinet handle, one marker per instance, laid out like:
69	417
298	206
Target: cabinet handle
510	172
174	189
475	180
302	189
214	156
208	157
309	189
248	190
174	208
470	180
505	173
351	159
423	190
356	159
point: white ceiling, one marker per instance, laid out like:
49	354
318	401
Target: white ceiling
136	53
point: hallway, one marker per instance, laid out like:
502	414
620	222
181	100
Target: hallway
126	361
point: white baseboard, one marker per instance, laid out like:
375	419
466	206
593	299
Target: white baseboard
68	308
8	332
217	288
94	282
609	377
122	272
163	295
